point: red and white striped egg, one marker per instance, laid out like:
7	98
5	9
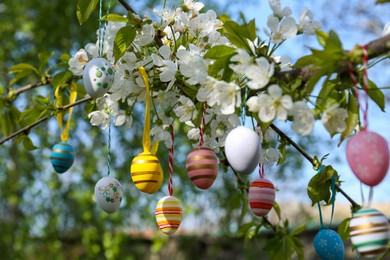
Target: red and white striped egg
368	156
261	196
202	167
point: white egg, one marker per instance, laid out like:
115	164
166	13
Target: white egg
243	149
108	194
98	77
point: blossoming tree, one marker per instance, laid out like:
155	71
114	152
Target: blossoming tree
210	75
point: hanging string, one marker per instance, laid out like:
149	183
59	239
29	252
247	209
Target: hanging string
362	193
365	86
170	161
370	196
72	99
243	105
109	148
102	27
261	170
333	199
202	125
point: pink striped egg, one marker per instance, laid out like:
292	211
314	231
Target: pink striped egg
202	167
368	156
168	214
261	196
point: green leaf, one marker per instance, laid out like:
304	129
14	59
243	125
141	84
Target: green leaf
61	78
244	228
352	119
115	18
376	95
319	187
123	38
222	64
298	230
219	51
238	34
322	37
326	90
276	207
44	58
85	9
304	61
21	67
1	90
19	76
28	144
343	229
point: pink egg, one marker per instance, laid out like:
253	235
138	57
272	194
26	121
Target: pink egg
202	167
261	196
368	157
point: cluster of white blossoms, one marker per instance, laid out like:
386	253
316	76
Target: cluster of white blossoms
181	82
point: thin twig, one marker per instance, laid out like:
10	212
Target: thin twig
27	128
30	86
311	160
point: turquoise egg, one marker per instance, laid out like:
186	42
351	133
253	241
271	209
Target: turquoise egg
62	157
329	245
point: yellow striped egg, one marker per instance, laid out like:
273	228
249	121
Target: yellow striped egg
146	172
369	231
168	214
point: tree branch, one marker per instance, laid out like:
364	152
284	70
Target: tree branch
31	86
27	128
311	160
375	49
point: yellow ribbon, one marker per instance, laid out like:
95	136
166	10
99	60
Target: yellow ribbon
72	99
146	137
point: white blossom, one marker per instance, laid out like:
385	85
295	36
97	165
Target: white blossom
186	111
306	23
204	24
226	95
303	118
270	156
281	30
277	9
334	119
161	134
167	67
192	5
242	61
259	73
206	88
147	35
272	105
195	70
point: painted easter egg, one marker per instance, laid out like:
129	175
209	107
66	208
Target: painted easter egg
202	167
168	214
368	156
369	231
329	245
62	157
146	172
261	196
242	149
98	77
108	194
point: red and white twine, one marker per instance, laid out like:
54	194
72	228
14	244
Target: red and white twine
202	125
170	161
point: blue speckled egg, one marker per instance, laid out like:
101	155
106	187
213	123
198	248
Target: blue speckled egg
329	245
62	157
